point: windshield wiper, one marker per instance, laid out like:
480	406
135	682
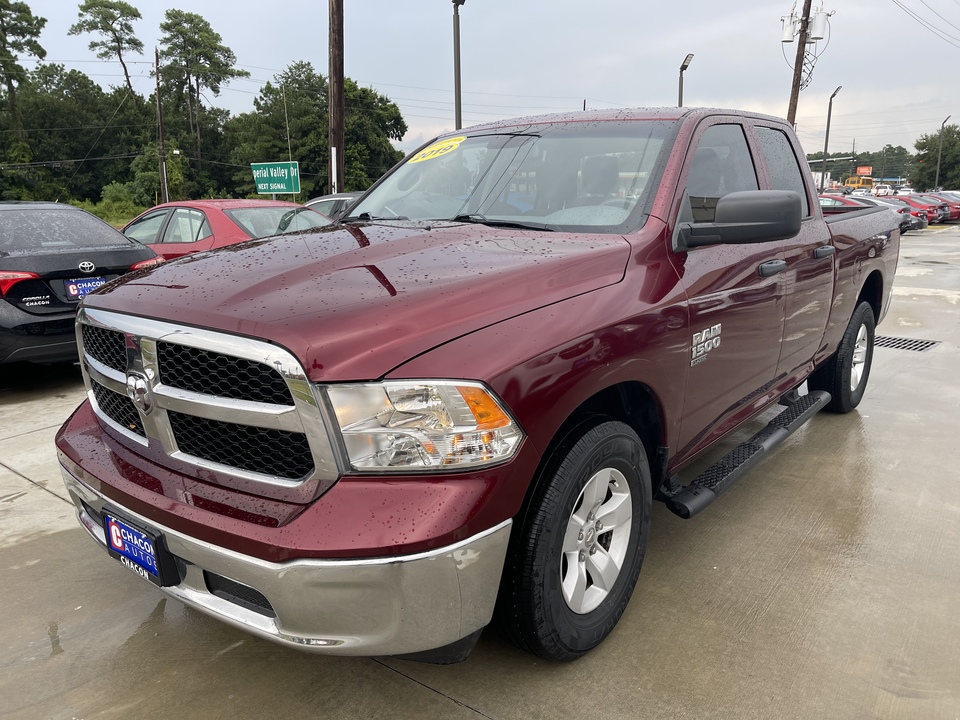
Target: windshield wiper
479	219
367	217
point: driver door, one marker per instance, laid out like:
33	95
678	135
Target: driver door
734	294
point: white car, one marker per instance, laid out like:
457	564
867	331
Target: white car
879	190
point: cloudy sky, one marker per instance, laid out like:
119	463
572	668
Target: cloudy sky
896	59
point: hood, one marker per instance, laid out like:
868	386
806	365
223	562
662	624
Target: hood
353	302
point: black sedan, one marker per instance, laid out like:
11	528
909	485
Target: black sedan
51	255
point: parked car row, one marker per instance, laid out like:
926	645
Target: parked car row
52	255
917	210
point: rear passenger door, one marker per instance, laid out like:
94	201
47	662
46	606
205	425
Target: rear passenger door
809	275
187	232
735	293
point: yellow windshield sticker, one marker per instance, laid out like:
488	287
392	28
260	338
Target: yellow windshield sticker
437	149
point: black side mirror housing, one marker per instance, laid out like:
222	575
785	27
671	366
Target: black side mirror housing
749	216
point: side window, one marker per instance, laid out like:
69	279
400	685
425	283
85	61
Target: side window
145	229
785	172
187	226
721	164
829	202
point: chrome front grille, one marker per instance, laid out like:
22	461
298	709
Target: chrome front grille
118	408
190	368
106	346
274	452
237	406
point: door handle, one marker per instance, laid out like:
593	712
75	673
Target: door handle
772	267
824	251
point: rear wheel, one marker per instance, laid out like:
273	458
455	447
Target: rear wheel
845	375
576	559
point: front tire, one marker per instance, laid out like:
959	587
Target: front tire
845	375
576	558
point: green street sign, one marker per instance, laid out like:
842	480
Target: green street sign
276	177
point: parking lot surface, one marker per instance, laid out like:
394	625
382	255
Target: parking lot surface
825	584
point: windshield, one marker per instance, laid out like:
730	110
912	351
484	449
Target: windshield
258	222
577	176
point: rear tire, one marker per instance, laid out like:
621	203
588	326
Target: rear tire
845	375
575	559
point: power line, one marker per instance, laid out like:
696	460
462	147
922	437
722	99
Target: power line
939	33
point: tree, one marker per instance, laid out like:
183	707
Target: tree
198	60
924	173
19	30
298	96
113	19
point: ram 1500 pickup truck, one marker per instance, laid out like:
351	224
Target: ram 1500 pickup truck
458	403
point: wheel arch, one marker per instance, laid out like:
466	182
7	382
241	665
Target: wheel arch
631	402
872	292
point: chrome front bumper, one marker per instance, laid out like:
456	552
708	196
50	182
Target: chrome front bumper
381	606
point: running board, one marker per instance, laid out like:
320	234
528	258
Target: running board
715	480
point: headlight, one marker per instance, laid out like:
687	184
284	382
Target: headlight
407	425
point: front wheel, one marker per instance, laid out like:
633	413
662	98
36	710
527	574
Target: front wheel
577	556
845	375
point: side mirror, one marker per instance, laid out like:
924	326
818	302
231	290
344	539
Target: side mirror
750	216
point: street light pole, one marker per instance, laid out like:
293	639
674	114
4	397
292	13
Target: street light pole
683	66
456	62
826	140
936	184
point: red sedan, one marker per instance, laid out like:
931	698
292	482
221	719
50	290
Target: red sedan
936	211
175	229
952	203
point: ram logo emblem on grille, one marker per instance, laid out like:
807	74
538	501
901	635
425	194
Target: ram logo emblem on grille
138	390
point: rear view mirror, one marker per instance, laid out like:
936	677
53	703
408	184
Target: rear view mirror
750	216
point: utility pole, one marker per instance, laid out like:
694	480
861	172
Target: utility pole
457	114
798	63
164	192
336	100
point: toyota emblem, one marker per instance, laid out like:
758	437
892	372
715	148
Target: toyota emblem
87	266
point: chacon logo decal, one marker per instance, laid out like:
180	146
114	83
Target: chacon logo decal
87	266
703	342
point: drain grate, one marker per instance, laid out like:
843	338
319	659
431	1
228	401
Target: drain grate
904	343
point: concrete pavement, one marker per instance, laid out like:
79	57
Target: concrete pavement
825	584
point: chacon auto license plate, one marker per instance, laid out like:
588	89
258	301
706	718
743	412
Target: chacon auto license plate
137	548
79	287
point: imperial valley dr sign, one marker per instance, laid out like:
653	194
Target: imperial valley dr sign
276	177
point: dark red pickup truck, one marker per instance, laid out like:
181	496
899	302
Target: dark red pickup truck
460	401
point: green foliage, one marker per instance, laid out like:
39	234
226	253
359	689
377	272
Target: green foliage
19	30
197	60
370	122
890	162
113	20
924	175
99	147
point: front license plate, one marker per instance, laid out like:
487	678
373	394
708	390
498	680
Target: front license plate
79	287
133	547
